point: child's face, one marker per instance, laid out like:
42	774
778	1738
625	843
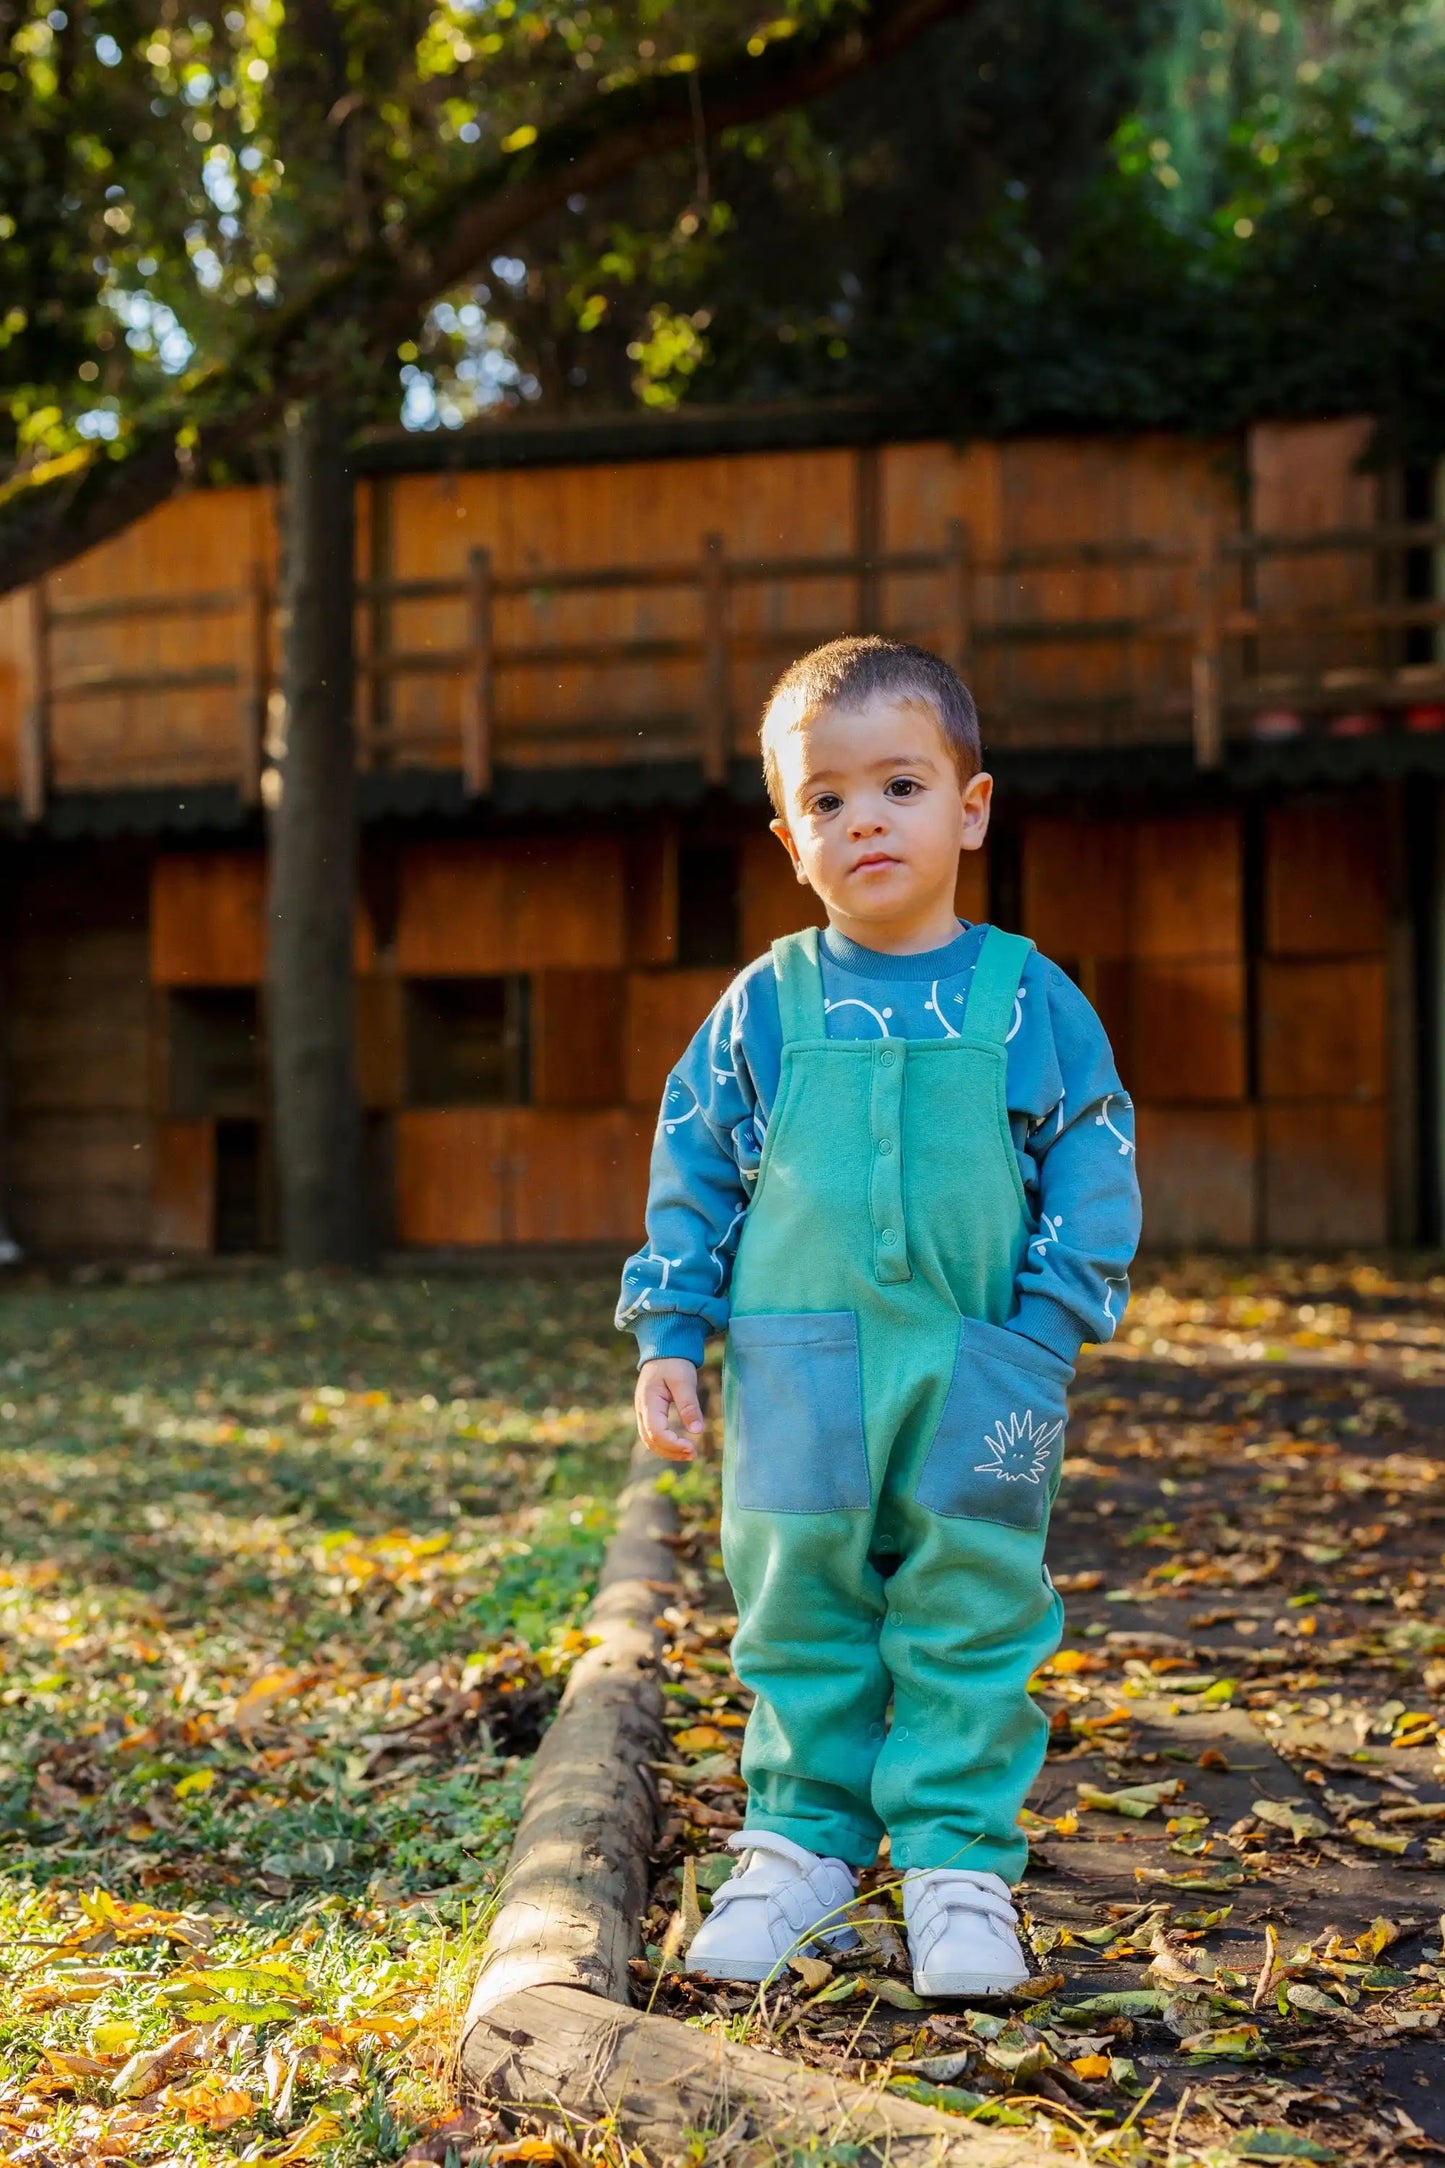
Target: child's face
874	815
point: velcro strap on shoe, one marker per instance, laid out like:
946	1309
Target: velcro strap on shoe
973	1893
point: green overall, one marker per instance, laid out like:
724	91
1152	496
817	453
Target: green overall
891	1452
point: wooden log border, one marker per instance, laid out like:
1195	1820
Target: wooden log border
549	2027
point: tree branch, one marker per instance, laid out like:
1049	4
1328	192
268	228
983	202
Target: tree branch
50	517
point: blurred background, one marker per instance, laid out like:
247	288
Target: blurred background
425	432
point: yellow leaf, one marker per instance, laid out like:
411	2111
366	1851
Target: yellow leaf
138	1832
199	1780
520	139
539	2149
259	1695
116	2038
1090	2066
212	2106
698	1739
306	2142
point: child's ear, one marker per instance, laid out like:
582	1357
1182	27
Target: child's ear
784	835
977	804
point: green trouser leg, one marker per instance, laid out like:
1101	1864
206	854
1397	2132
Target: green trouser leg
970	1619
953	1636
891	1447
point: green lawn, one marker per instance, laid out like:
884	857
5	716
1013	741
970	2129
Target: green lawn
289	1577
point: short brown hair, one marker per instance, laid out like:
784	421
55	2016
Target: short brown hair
846	673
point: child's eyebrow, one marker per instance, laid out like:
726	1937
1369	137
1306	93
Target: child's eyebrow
889	764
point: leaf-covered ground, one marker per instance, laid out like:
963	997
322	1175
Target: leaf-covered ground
290	1575
1238	1838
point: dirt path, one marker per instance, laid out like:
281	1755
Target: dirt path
1250	1545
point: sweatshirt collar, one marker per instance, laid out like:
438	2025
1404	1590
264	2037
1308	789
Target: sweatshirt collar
866	963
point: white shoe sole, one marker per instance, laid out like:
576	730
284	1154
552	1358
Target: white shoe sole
752	1969
935	1986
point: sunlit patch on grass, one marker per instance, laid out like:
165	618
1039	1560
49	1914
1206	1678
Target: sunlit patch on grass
291	1576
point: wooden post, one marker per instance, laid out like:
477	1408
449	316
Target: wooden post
34	747
868	518
716	719
253	674
1208	690
958	597
479	709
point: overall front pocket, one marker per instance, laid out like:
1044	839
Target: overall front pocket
999	1445
797	1417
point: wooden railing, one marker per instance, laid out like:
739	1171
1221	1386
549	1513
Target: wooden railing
1348	662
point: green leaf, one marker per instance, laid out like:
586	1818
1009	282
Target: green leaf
1271	2141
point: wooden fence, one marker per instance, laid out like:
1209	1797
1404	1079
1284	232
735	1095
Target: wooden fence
1199	670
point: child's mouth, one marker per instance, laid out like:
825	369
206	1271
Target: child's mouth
872	864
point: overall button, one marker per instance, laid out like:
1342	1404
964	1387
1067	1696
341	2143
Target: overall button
887	1058
888	1237
885	1145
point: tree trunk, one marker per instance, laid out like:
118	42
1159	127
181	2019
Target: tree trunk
315	1101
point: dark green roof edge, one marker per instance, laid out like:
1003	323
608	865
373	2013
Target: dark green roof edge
614	439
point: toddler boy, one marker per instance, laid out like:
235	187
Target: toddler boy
896	1163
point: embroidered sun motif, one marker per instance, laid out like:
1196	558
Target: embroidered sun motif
1020	1449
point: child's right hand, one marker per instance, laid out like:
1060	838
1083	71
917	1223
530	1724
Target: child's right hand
669	1416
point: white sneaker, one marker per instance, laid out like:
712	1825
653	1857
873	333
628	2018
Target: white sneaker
779	1902
962	1933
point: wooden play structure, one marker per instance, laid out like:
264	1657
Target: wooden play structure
1212	679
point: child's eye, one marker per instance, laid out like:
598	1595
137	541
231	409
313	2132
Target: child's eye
827	803
902	786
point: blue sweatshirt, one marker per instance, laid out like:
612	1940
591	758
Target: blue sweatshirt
1071	1122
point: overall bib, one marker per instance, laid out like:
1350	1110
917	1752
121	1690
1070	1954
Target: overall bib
891	1452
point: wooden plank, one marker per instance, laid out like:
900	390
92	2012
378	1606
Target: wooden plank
380	1041
1077	885
577	1022
253	677
479	1176
1322	1029
34	763
1187	1045
479	710
1304	477
716	705
79	1183
650	874
1325	1175
773	901
868	537
183	1192
1188	886
1325	877
511	904
574	1176
1197	1172
664	1009
208	918
1206	662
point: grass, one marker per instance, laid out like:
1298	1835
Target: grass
290	1576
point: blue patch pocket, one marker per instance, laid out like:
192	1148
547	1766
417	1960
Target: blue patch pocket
797	1414
999	1445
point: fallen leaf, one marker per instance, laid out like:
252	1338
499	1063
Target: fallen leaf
1290	1816
1090	2067
1271	2141
1377	1840
1135	1800
814	1972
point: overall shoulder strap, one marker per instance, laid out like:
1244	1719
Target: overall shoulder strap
800	986
995	984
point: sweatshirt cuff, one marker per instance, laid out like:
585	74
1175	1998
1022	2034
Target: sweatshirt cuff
671	1332
1040	1318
